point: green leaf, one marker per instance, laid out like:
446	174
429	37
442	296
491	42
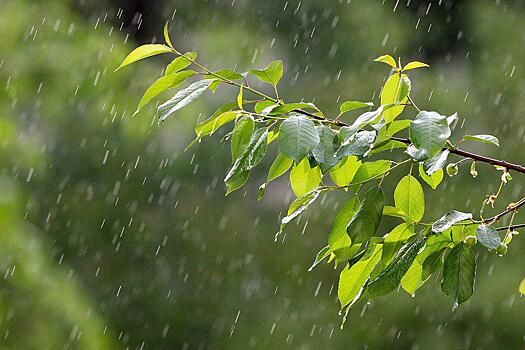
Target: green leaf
239	98
521	288
366	220
298	206
429	132
459	272
395	91
250	157
338	238
212	124
323	253
241	135
280	165
144	51
361	121
346	254
415	277
180	63
297	137
272	136
348	106
390	278
263	105
414	65
304	178
449	219
324	152
289	107
488	236
395	239
390	130
409	197
237	180
388	146
433	180
183	98
162	84
432	263
358	144
436	163
370	170
387	59
271	74
167	35
353	279
489	139
394	212
343	173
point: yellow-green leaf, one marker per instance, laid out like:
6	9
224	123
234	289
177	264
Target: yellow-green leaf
280	165
167	35
144	51
396	90
162	84
522	286
271	74
210	125
414	65
353	279
409	197
387	59
343	173
180	62
433	180
239	98
304	178
338	238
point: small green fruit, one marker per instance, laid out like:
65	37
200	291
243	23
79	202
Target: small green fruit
501	249
471	241
452	169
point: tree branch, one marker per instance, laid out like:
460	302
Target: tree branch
454	150
511	227
512	207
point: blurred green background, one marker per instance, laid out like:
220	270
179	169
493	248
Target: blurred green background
112	237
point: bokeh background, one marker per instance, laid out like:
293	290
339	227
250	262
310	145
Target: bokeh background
113	237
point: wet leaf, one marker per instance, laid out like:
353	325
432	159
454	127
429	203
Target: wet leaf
183	98
297	137
488	236
488	139
449	219
162	84
459	272
353	279
429	132
280	165
241	135
366	220
390	278
434	180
